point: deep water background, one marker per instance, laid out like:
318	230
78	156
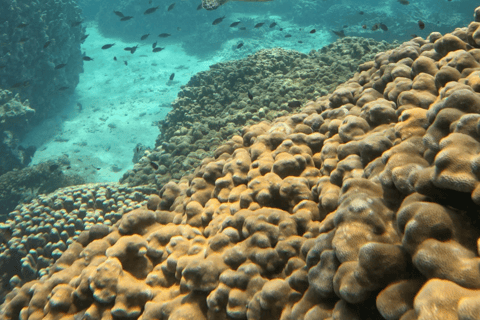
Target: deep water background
199	37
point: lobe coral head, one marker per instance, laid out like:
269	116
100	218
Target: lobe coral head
212	4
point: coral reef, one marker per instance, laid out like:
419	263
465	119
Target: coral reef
214	4
37	36
14	121
214	105
37	233
22	185
362	205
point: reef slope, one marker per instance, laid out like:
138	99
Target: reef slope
363	205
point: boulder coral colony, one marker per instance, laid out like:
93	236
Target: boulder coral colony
187	138
201	118
58	219
360	206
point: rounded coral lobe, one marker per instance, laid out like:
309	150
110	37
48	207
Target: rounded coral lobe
212	4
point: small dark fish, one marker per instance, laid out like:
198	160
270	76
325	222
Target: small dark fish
240	45
164	35
258	25
344	26
68	167
158	49
145	36
84	37
108	46
421	25
413	35
115	58
364	26
294	104
170	7
46	44
125	62
273	24
172	76
25	83
126	18
288	35
404	2
22	25
96	167
340	33
20	84
218	20
313	31
151	10
250	95
63	88
154	45
131	49
281	29
60	66
118	13
87	58
300	41
234	24
375	27
361	12
54	167
76	23
243	28
200	6
383	27
154	165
